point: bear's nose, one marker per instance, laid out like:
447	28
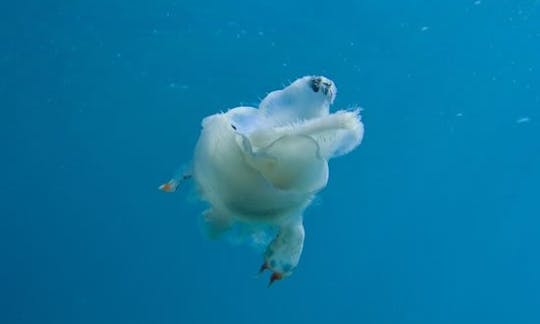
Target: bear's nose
316	84
321	84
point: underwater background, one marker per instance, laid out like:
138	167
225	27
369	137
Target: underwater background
435	218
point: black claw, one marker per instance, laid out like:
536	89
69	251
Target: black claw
263	267
275	276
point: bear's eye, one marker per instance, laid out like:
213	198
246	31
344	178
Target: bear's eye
233	127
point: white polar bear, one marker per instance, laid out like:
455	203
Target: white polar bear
263	166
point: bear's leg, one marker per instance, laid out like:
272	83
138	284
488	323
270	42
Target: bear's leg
283	253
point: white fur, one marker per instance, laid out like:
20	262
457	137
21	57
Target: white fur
263	166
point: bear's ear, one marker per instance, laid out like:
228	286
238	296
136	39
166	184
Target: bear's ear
244	120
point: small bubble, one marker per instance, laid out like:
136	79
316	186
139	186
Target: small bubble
523	120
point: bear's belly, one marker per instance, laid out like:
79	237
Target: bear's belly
233	187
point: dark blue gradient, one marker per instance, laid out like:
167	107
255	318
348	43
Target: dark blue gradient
435	218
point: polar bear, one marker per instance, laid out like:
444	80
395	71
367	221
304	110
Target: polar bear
263	166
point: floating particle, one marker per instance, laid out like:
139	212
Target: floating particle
523	120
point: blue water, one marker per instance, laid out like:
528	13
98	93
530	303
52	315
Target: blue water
435	218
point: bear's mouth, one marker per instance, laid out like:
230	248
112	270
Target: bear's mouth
321	84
